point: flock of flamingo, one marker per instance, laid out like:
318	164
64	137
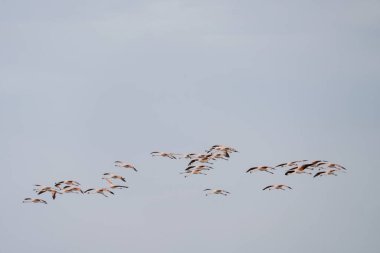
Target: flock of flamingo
199	163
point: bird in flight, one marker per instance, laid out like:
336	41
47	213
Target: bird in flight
125	165
299	169
193	172
53	192
330	165
113	176
201	159
66	182
101	191
260	168
44	188
288	164
70	189
163	154
221	148
327	173
113	186
277	186
31	200
216	191
198	167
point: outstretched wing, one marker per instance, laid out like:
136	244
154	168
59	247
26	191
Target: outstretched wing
269	186
319	173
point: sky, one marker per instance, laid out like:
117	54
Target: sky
85	83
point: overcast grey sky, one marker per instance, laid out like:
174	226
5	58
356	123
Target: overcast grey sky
85	83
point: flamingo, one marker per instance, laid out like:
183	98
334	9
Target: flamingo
113	186
69	189
216	191
277	186
67	182
299	169
201	167
53	192
193	172
100	191
328	172
30	200
163	154
260	168
114	176
289	163
125	165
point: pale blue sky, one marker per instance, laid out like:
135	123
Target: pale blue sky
85	83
